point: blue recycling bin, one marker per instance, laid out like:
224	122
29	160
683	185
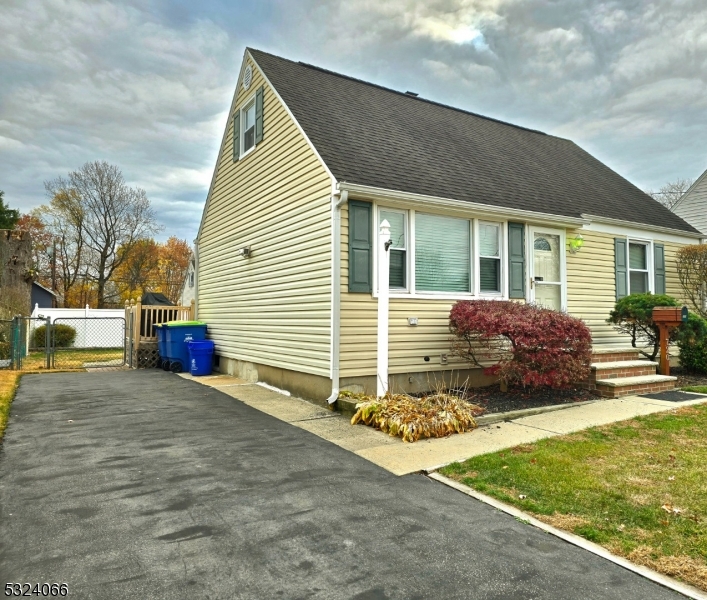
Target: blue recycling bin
200	357
161	334
178	334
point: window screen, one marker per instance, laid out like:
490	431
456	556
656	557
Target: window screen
249	127
442	254
398	247
638	268
489	257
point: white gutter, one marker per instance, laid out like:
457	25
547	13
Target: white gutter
365	192
636	225
336	204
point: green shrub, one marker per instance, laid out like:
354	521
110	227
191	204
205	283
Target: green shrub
63	334
633	316
692	342
4	350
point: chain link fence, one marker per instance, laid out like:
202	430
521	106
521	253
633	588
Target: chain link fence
28	343
21	348
85	343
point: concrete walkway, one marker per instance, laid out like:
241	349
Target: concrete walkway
427	455
142	485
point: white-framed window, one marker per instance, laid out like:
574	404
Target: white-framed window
490	268
639	267
398	279
441	255
191	279
248	127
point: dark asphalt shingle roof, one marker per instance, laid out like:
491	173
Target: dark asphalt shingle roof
370	135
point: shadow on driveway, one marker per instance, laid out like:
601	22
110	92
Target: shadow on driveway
141	484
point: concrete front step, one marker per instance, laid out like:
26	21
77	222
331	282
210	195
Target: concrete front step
614	354
627	386
621	369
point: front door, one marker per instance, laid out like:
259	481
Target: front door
547	268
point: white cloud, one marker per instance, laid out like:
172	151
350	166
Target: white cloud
100	80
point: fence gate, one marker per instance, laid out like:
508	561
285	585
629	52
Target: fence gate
88	342
24	343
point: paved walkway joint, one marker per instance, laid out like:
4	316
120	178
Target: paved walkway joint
401	458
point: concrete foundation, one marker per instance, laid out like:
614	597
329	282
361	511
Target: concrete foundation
304	385
318	389
415	383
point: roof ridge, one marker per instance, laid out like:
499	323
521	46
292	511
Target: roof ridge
387	89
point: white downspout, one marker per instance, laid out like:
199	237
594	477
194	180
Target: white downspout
196	279
336	204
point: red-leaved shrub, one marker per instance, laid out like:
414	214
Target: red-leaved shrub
530	345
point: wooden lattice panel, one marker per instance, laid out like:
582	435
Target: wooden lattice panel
147	357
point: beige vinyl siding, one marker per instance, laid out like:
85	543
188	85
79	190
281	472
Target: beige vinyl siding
693	207
672	282
275	307
591	295
591	285
408	345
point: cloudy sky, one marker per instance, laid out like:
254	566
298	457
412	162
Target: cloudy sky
146	85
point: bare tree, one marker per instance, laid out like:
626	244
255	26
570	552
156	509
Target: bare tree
102	217
671	192
64	218
692	271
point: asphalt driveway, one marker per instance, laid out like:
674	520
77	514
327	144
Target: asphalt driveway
144	485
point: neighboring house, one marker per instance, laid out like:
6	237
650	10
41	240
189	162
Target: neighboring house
693	205
42	297
189	287
312	161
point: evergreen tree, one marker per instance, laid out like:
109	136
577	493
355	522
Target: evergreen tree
8	216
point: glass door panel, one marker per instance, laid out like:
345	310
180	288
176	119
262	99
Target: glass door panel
547	281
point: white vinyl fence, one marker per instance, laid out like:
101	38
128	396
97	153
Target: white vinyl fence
110	333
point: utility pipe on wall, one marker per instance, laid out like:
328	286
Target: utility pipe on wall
383	301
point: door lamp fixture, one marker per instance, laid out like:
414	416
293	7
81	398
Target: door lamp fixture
576	244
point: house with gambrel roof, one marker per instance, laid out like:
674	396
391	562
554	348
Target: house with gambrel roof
311	162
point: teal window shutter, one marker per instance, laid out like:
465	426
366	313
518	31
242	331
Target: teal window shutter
237	136
360	247
259	115
621	267
659	266
516	260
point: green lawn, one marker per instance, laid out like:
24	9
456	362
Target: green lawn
700	389
8	385
73	358
638	488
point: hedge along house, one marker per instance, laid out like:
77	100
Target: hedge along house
311	163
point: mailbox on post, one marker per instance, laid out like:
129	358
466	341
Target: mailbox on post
667	318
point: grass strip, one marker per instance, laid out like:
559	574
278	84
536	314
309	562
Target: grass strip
8	385
699	389
636	487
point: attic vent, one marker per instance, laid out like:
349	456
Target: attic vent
247	77
415	94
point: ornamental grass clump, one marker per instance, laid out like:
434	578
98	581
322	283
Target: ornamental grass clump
527	345
437	415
